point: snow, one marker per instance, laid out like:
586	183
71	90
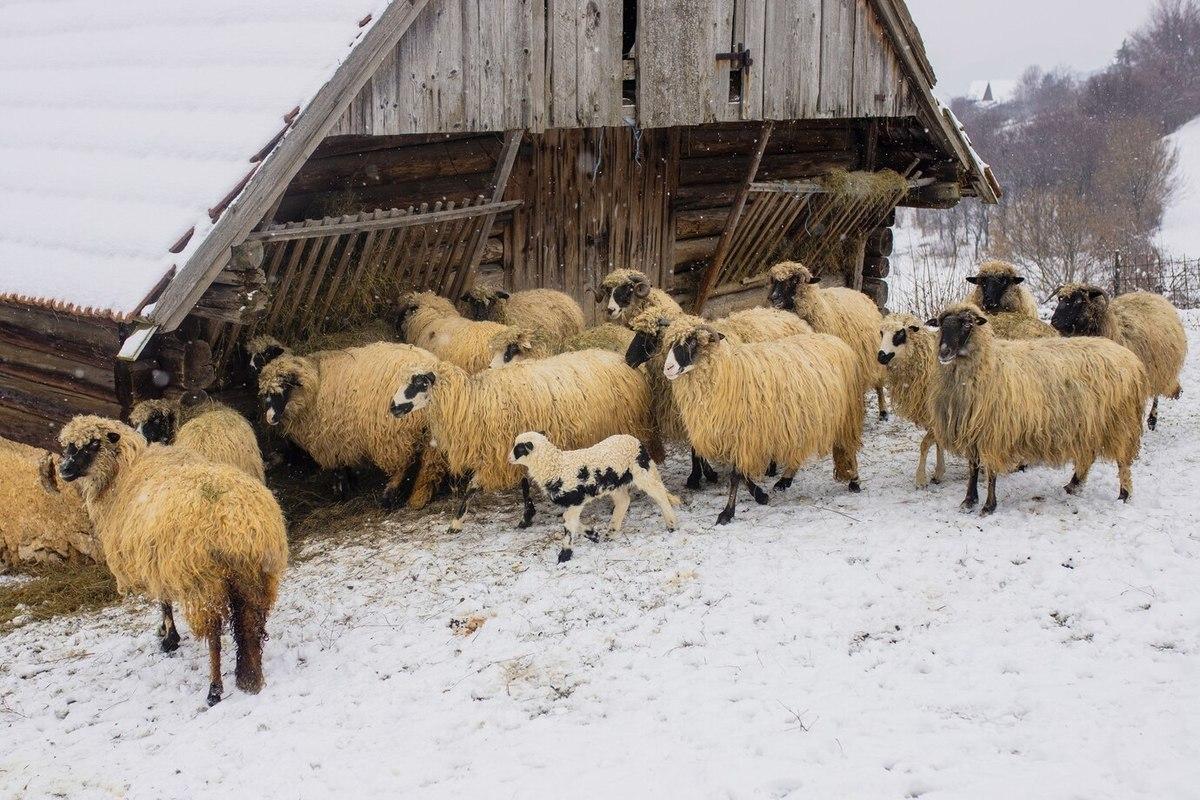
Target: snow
1180	232
880	645
123	122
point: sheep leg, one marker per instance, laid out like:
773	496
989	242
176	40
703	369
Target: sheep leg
343	484
845	466
527	500
972	486
939	468
456	524
920	478
651	483
1125	476
168	634
710	473
1152	420
726	515
760	497
215	687
989	505
785	482
570	530
882	399
1079	477
397	492
249	623
772	469
697	473
620	501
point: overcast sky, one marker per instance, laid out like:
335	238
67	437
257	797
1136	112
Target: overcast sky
996	39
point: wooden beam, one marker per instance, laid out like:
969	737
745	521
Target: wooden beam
396	218
709	278
504	167
280	165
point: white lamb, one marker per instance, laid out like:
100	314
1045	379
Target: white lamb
574	478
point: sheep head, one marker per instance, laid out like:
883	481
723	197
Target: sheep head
895	334
157	420
91	451
789	281
959	328
285	387
648	328
620	289
415	393
688	339
1081	310
526	445
509	345
992	285
262	350
484	302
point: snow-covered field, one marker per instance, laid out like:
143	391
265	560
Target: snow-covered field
1180	232
827	646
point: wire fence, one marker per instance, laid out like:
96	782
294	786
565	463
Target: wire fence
1177	279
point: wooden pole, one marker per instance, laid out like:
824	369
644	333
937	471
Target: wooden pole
709	279
504	167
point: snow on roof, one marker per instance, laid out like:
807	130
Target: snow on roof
1002	90
123	122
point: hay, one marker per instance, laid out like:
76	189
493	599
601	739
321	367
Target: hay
373	330
55	590
862	186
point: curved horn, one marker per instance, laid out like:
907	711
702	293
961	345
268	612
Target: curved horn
1057	289
47	474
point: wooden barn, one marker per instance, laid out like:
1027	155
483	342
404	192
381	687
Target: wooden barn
204	172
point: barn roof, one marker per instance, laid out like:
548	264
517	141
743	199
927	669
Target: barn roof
139	140
124	124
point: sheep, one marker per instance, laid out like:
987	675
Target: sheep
627	293
432	322
179	528
574	478
1002	403
1008	305
552	312
750	325
515	343
212	429
37	525
336	408
908	350
578	399
754	404
845	313
1145	323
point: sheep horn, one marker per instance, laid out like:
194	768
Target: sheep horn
1056	291
46	474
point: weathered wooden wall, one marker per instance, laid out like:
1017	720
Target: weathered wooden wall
489	65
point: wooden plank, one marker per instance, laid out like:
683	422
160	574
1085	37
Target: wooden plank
379	221
709	279
792	53
512	143
837	58
282	163
675	44
598	63
723	40
562	63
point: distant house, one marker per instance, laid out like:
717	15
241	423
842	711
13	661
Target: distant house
992	92
178	176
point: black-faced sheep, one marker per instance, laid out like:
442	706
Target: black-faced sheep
179	528
211	429
750	325
845	313
516	344
1002	403
577	399
909	352
626	293
1007	303
553	313
336	408
37	525
574	478
751	405
433	323
1145	323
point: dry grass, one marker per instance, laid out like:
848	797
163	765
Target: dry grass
55	590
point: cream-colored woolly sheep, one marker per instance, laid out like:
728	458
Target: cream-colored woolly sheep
181	529
1145	323
750	325
212	429
336	408
909	352
1003	403
433	323
845	313
574	478
553	313
516	344
751	405
1008	305
577	399
626	293
37	526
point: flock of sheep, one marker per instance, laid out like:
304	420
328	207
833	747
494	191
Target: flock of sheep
519	393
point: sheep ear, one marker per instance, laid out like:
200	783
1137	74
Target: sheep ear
972	279
1019	279
597	293
1094	293
814	279
503	295
662	323
914	328
432	378
981	320
641	288
113	437
933	323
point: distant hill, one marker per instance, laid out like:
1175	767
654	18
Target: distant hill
1180	232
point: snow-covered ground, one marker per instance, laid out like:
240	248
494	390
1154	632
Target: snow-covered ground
1180	233
828	646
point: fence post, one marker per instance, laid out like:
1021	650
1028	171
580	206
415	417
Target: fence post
1116	282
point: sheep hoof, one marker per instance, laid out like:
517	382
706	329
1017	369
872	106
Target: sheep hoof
725	517
1071	488
591	535
525	522
968	504
214	694
565	554
936	481
760	497
1152	422
987	509
854	487
921	483
783	484
883	416
1123	496
693	482
170	642
772	470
